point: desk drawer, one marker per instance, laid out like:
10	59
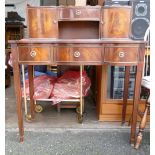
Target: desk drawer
34	54
121	54
75	54
79	12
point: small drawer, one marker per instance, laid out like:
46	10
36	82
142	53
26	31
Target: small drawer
91	54
74	54
34	54
79	12
121	54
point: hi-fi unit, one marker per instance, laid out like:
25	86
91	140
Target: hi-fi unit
116	2
140	18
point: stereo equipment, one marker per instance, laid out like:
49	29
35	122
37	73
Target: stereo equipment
48	3
107	3
116	2
140	19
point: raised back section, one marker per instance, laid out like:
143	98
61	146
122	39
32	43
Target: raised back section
116	22
87	22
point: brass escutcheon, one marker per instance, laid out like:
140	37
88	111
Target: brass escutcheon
121	54
33	53
76	54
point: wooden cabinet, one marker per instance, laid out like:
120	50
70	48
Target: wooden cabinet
42	22
116	22
13	31
109	109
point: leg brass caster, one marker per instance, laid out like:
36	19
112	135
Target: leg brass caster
80	118
78	110
28	118
38	108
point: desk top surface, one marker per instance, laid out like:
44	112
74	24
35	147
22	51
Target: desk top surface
75	41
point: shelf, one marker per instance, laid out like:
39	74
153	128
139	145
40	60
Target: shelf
64	100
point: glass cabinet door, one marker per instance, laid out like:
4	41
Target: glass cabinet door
115	83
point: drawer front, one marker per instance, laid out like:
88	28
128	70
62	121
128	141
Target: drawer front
77	54
121	54
34	54
75	13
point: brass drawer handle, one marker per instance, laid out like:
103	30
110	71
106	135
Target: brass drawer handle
76	54
33	53
102	22
78	12
54	21
121	54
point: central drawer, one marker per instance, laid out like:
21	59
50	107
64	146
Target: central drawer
79	12
34	53
78	54
121	54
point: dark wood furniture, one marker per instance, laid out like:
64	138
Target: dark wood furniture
13	31
56	39
142	125
7	69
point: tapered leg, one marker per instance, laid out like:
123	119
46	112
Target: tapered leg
31	90
136	102
17	86
125	94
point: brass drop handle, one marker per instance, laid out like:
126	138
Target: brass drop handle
33	53
54	21
78	12
121	54
76	54
102	22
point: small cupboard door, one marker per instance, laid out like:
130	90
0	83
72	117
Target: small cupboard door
115	22
42	22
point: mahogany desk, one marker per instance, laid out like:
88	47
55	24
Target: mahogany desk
118	52
78	36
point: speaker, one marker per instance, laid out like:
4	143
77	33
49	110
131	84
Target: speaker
140	18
